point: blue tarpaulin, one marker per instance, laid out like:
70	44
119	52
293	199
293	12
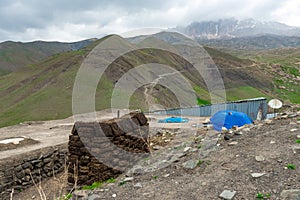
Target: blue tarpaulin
174	120
228	119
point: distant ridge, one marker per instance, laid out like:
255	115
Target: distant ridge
14	55
263	42
233	28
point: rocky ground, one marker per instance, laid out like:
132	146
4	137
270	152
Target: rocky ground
257	161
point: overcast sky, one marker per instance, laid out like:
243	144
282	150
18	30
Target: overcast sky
73	20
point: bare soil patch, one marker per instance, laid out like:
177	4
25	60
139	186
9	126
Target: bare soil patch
23	143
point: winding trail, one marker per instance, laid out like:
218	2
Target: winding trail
149	89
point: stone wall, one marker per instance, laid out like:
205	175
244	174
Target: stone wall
18	172
102	150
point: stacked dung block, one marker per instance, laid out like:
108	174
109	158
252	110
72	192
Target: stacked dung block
102	150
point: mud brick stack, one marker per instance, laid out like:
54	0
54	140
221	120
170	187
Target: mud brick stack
102	150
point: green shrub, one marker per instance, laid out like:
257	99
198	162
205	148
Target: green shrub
259	196
93	186
98	184
154	177
291	166
263	196
200	162
68	196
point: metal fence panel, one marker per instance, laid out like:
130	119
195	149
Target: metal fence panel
251	107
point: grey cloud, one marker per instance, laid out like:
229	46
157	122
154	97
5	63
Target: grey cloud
17	17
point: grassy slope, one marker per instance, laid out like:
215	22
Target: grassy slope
242	77
289	59
238	74
43	91
4	72
14	55
246	92
283	56
50	101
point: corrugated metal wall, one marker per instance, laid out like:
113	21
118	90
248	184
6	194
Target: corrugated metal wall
249	106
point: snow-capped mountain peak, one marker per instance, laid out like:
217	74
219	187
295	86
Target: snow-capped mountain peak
231	28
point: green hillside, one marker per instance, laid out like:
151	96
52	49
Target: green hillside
283	64
14	55
43	91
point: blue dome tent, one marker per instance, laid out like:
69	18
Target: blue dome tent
228	119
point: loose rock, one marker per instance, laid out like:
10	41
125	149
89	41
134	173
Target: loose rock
224	129
296	149
259	158
292	115
138	185
236	128
166	175
238	133
128	179
227	137
246	129
232	143
80	194
268	121
186	149
257	175
190	164
227	194
290	194
156	147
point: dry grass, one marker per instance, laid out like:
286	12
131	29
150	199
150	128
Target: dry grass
38	187
51	188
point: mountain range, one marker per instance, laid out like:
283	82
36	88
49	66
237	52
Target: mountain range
233	28
230	33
